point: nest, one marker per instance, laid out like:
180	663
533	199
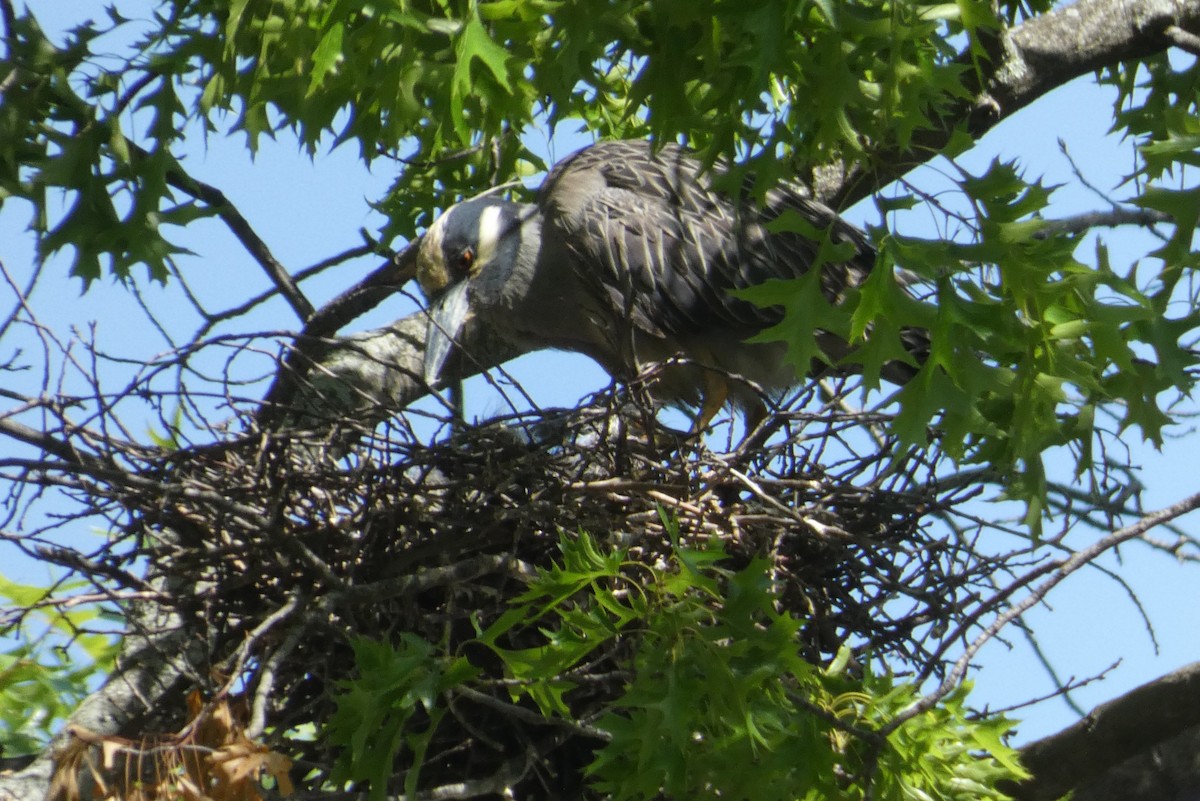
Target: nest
280	557
289	555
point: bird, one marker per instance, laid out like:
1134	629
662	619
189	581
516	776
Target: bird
629	254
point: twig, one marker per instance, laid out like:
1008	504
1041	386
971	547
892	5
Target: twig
529	716
1113	218
1184	40
266	682
1059	569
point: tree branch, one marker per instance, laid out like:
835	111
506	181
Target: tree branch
81	113
1183	39
242	230
1040	54
1052	573
1112	733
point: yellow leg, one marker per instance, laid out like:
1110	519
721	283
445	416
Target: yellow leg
716	392
754	416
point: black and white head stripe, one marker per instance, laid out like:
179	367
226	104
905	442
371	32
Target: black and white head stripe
466	240
461	245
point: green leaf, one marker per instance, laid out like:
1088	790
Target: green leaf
474	44
326	57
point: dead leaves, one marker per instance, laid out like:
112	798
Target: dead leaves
211	759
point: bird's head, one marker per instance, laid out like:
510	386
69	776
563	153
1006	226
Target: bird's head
468	241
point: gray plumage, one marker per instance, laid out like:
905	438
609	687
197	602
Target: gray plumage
628	255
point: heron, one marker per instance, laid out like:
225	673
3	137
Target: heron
630	254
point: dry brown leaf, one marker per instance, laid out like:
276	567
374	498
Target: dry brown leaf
237	768
76	756
220	728
241	766
217	725
64	783
195	704
97	777
280	767
109	749
211	760
235	762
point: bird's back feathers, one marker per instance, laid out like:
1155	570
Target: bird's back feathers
668	246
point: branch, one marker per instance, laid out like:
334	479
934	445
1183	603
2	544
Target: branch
1112	218
1054	573
82	114
311	344
1183	39
367	377
154	659
1112	733
1033	58
242	230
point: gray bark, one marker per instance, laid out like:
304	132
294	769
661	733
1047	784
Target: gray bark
1149	734
1169	771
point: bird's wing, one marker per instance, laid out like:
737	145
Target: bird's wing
667	248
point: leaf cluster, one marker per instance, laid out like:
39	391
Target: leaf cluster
452	84
391	710
717	700
211	759
64	142
53	660
1031	350
449	87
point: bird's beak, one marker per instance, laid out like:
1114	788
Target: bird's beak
446	318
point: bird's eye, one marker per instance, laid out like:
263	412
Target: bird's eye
466	259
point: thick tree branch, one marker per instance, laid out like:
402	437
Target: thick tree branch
1184	40
366	377
378	350
1033	58
1112	733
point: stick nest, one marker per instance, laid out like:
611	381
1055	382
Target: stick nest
279	556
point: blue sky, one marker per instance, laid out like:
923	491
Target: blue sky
307	210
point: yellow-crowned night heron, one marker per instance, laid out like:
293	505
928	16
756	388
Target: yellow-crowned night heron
628	255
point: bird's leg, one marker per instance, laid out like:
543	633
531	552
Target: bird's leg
457	400
716	392
754	416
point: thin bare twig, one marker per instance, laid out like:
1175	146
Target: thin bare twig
1059	570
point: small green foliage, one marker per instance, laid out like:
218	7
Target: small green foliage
57	660
576	630
61	145
719	703
1027	342
390	710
